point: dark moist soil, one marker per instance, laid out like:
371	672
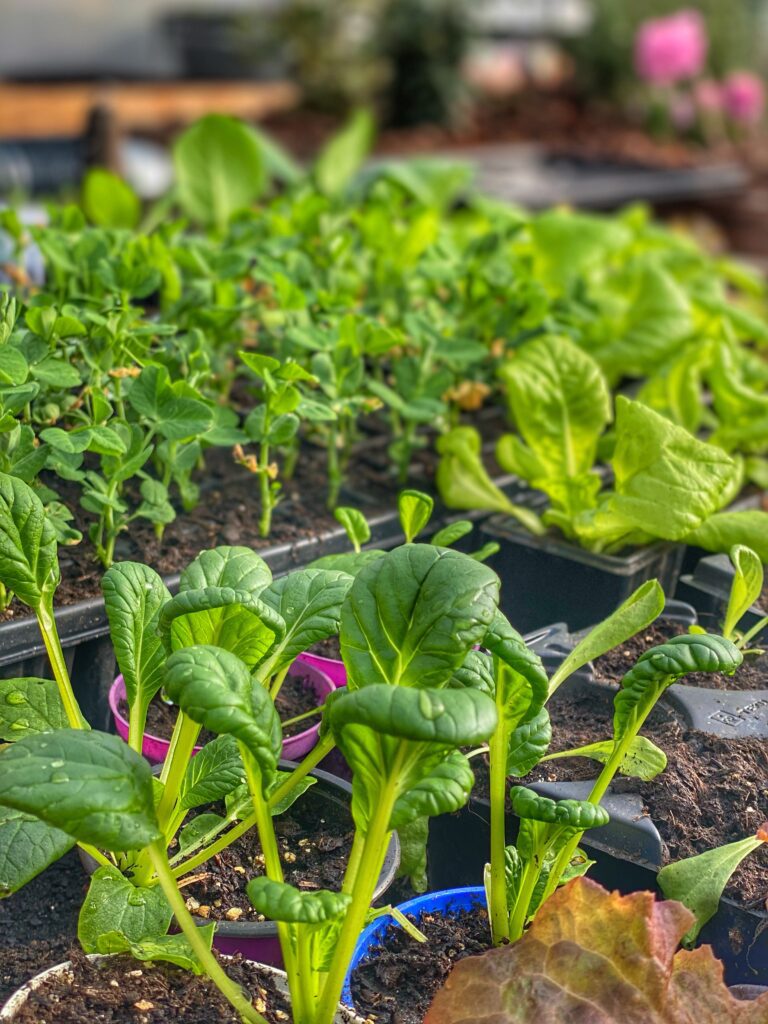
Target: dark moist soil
38	924
315	839
397	984
713	791
752	674
122	990
295	697
328	648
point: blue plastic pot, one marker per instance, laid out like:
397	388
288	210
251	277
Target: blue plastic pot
445	902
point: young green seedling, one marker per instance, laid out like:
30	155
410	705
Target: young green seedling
747	586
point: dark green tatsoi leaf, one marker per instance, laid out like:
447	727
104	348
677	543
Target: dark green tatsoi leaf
211	774
634	614
413	853
133	597
171	949
452	718
355	525
519	671
476	673
349	562
309	602
27	847
108	201
88	784
644	760
578	814
238	568
278	901
30	706
411	617
215	689
221	617
29	564
661	666
699	881
114	903
415	510
529	743
445	789
219	169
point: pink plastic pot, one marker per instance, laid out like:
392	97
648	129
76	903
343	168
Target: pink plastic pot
333	668
295	747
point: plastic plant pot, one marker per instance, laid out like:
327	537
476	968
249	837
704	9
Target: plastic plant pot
334	668
547	579
258	940
20	996
155	749
446	902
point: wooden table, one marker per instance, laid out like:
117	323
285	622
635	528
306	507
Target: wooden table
52	109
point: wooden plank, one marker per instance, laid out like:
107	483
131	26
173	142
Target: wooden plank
34	111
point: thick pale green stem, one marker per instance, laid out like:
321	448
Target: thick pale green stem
213	969
185	735
367	874
265	493
50	634
137	719
498	911
519	915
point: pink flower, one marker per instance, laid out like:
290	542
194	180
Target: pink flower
670	49
744	97
708	95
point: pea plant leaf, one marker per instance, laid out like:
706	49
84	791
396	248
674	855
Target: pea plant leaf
114	903
27	847
29	564
397	627
133	597
214	688
88	784
549	975
30	706
699	881
309	603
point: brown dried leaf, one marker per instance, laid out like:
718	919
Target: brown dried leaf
595	957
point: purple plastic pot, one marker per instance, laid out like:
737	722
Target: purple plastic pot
445	902
332	667
295	747
258	940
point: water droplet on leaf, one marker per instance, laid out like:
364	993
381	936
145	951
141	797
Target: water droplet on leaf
59	777
16	697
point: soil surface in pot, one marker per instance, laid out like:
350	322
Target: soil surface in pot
713	790
121	990
295	697
328	648
315	838
38	924
752	674
397	983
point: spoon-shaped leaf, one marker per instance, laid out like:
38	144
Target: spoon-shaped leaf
221	617
29	564
278	901
27	847
579	814
133	597
746	588
88	784
236	567
215	688
309	602
412	616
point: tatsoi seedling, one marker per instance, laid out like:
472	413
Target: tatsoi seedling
520	878
747	586
400	723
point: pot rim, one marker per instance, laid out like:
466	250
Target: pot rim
18	998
